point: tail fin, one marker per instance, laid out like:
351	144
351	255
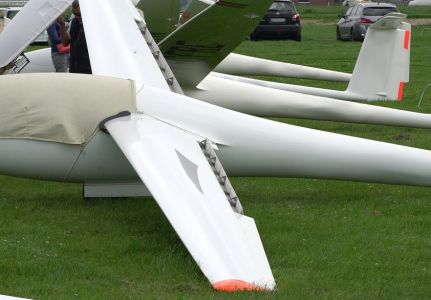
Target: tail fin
383	63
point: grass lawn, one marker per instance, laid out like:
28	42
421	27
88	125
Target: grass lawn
324	239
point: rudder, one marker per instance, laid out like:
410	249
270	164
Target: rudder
383	63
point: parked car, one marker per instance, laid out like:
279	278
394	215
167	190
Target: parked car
281	21
354	23
7	15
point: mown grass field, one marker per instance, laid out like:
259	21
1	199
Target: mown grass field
324	239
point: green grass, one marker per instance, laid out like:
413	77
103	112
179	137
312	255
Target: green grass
324	239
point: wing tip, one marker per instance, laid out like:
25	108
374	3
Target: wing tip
233	285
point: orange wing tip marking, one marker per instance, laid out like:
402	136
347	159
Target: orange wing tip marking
406	39
237	286
400	91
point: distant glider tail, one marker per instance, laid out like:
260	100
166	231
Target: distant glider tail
383	63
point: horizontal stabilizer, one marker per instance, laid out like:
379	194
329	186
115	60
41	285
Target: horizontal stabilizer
171	163
390	21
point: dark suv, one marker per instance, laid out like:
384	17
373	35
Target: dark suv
354	23
281	21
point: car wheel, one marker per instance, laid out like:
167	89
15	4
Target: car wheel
352	37
297	37
338	34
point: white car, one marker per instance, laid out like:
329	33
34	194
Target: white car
7	14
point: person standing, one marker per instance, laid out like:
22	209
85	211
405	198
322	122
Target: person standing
59	53
79	61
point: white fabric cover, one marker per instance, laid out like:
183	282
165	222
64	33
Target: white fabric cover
64	108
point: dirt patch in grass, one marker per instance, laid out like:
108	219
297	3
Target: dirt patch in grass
418	22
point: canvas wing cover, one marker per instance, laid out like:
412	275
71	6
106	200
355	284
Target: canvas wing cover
29	23
197	47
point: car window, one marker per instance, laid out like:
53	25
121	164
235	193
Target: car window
11	14
378	11
349	11
282	6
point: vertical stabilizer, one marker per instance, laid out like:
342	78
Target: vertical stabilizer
383	63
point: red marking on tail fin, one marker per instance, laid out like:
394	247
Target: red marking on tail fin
233	285
400	91
406	39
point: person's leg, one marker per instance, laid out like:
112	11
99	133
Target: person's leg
60	61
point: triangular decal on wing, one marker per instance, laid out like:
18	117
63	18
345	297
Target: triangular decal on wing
191	170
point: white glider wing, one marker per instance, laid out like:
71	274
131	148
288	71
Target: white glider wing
116	45
32	19
169	160
171	163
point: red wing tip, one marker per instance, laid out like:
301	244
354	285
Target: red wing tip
237	286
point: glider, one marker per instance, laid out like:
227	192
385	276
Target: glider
124	124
